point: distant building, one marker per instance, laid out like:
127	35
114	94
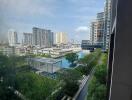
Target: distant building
93	32
42	37
12	38
97	30
100	28
61	38
28	38
107	24
8	51
86	45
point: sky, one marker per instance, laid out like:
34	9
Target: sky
70	16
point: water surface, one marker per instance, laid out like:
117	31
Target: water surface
66	64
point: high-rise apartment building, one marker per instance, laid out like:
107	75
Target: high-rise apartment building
100	28
12	37
97	30
61	38
42	37
93	32
28	38
107	24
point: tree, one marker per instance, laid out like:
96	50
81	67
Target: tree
86	59
88	62
100	92
97	91
71	57
91	87
7	78
70	78
101	73
70	75
35	87
97	86
7	94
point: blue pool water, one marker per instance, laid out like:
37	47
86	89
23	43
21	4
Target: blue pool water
66	64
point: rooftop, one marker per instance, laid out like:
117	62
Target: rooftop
46	60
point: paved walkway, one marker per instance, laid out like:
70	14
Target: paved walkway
83	92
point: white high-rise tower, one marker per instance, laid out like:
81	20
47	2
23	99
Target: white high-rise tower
61	38
12	37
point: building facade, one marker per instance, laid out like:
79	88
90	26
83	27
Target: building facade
28	39
97	30
12	37
107	23
8	51
120	55
93	32
100	28
42	37
61	38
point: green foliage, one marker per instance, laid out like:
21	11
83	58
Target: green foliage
39	55
35	87
82	69
7	78
6	94
45	55
100	92
105	58
89	62
71	88
100	73
97	85
91	87
70	75
14	72
70	78
7	70
71	57
57	96
96	90
3	60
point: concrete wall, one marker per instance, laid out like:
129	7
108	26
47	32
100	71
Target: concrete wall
121	83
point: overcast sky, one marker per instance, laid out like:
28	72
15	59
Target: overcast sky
70	16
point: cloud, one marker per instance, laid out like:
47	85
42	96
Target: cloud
27	7
22	15
19	14
82	29
86	3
